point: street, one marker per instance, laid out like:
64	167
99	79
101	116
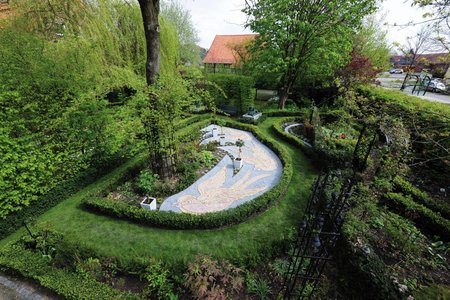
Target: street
394	82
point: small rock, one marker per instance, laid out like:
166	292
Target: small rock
402	288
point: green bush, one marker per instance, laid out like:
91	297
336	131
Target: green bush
204	221
159	284
420	196
284	113
258	286
238	89
424	217
365	274
147	181
15	259
334	153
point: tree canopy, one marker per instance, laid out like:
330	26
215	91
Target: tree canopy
301	37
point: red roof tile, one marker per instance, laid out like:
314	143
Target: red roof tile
221	51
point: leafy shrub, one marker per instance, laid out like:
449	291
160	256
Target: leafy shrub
335	153
91	267
207	158
284	113
69	285
210	279
146	181
159	285
15	220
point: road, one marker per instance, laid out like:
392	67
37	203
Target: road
394	81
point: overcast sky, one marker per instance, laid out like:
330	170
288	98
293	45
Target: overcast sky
212	17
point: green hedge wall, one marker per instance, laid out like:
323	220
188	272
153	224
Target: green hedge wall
423	198
419	214
17	260
204	221
238	88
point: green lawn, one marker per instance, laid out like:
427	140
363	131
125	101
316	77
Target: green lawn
243	243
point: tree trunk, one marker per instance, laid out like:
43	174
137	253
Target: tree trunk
150	13
160	152
284	92
287	81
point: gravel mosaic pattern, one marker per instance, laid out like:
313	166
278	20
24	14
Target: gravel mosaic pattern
220	188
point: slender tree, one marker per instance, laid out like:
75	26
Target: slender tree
150	14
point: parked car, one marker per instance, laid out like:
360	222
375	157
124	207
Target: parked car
437	85
396	71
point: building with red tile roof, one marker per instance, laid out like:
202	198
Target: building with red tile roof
227	51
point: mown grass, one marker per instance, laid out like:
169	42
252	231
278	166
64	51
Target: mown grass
246	243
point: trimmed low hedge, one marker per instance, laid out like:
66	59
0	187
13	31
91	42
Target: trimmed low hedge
191	120
17	260
204	221
419	214
323	157
16	220
285	113
289	138
423	198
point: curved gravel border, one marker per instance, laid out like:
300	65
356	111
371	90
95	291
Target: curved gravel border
16	289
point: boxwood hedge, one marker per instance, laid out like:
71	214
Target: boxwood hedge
424	217
17	260
421	197
331	155
204	221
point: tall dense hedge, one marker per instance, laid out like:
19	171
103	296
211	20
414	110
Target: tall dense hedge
238	89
